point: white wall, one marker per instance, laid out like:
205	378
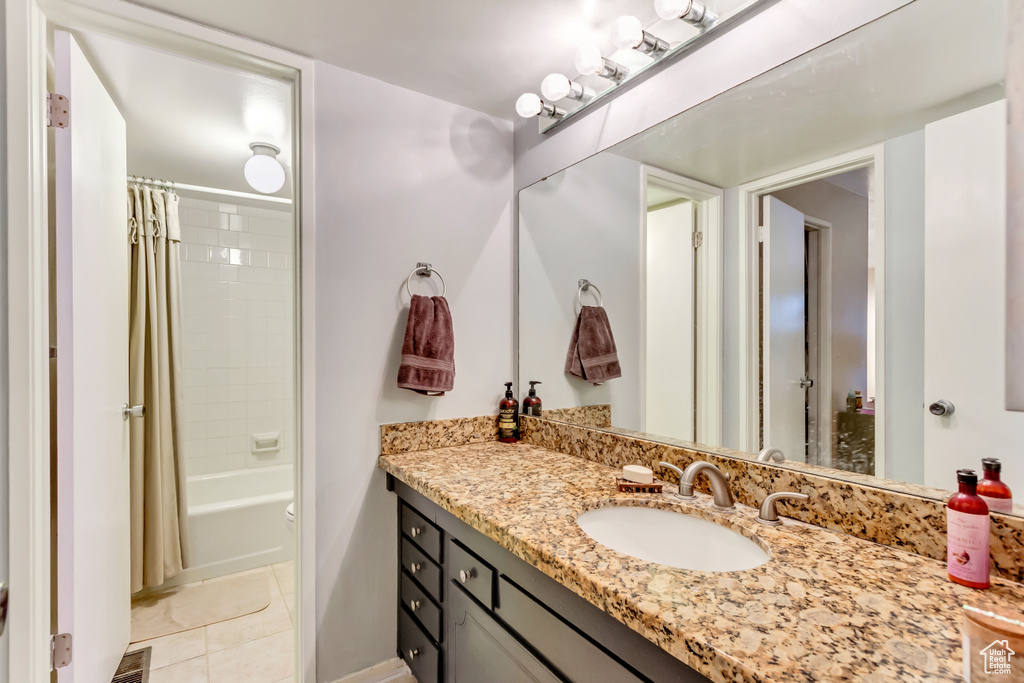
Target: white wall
401	178
848	214
237	287
583	223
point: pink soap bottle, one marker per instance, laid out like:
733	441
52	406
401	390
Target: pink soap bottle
967	522
992	490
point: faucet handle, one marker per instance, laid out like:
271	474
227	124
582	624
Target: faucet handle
769	514
677	470
769	454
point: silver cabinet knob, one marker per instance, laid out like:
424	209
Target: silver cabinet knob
414	605
942	408
132	411
466	574
414	567
416	531
413	653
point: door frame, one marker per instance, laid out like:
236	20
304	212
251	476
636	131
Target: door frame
748	324
823	380
708	271
26	24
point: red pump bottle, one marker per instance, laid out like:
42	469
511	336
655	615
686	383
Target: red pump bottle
508	417
967	534
992	490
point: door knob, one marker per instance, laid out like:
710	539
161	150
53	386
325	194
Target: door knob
942	408
132	411
806	382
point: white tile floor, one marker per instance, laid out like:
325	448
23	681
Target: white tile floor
256	648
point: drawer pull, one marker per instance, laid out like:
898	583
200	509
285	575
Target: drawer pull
414	567
414	605
466	574
416	531
413	653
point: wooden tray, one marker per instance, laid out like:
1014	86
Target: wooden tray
626	486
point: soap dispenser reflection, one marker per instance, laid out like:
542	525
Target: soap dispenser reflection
531	404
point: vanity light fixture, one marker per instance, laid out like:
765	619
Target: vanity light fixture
556	87
529	105
690	11
589	62
262	170
628	34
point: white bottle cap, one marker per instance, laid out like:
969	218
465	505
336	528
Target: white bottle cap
638	473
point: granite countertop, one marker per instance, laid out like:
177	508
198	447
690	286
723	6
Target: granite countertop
825	607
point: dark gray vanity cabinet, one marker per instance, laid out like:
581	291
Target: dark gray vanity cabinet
471	612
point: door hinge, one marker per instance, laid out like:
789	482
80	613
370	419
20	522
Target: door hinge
698	239
58	110
760	233
60	651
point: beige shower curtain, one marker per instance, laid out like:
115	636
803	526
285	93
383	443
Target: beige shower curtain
159	514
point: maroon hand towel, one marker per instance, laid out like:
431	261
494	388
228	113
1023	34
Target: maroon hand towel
592	353
428	352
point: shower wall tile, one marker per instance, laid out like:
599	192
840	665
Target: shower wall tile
237	293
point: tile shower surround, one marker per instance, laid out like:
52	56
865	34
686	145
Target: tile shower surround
237	294
895	518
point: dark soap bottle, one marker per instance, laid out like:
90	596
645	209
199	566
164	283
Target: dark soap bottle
531	404
508	417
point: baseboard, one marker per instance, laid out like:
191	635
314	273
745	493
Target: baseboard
391	670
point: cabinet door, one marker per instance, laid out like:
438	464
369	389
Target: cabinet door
480	649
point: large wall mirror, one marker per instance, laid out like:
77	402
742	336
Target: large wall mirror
813	261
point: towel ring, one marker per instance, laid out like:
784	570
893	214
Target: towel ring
420	267
584	286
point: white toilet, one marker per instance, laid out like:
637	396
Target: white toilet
289	517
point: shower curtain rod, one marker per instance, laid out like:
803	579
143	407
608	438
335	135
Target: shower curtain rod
206	190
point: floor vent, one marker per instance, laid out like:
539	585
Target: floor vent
134	667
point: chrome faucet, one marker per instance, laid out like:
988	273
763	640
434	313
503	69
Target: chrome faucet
768	514
719	483
768	454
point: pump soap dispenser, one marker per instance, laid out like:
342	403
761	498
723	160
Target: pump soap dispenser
508	417
531	404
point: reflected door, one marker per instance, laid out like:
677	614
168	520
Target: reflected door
93	588
784	319
965	299
670	381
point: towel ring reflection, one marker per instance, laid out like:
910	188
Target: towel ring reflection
419	270
584	286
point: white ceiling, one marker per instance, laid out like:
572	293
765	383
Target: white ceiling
191	121
481	54
888	78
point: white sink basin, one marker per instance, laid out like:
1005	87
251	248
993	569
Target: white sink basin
672	538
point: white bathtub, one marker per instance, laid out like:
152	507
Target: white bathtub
236	521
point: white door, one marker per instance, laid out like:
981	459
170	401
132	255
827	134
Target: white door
965	299
93	588
670	322
783	327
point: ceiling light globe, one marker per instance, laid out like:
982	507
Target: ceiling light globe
528	105
671	9
627	33
555	87
264	173
589	60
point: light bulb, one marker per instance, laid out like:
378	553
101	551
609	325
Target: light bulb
672	9
555	87
627	33
262	170
589	60
528	105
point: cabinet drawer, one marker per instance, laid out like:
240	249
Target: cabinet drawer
422	532
575	655
472	573
421	568
422	607
418	651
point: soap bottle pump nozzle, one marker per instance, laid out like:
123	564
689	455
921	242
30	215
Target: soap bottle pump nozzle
508	389
533	387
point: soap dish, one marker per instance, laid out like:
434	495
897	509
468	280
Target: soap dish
627	486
